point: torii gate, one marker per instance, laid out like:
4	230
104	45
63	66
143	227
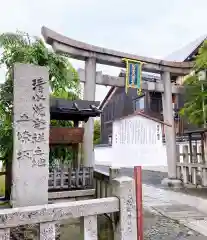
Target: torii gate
93	55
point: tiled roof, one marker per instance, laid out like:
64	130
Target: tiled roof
145	115
182	54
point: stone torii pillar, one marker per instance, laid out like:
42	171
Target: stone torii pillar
170	136
89	94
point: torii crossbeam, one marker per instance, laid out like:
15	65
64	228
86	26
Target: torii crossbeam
107	80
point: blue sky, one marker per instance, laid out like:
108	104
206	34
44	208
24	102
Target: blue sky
151	28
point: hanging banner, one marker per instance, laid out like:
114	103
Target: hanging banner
133	75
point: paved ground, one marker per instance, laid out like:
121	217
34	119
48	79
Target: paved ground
148	177
154	178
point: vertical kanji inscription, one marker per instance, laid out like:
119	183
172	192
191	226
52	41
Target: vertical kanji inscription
31	135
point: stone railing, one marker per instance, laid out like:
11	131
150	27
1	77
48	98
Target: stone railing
191	165
123	203
103	182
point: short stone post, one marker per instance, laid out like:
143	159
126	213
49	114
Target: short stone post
126	227
89	227
31	121
114	172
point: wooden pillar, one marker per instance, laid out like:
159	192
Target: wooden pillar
75	148
89	94
8	178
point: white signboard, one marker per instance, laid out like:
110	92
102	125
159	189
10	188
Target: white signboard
138	141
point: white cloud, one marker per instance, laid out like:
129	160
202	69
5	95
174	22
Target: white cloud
151	28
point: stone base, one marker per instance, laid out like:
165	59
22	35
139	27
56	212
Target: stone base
173	183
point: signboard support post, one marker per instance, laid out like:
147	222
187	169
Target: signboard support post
138	188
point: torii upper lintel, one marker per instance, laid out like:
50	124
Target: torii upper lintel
80	50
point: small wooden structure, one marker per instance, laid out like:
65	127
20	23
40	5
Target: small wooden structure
191	162
72	175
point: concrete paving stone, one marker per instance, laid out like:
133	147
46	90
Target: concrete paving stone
171	197
199	226
181	211
177	208
183	215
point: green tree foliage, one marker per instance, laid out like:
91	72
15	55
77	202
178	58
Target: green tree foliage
194	96
64	82
97	132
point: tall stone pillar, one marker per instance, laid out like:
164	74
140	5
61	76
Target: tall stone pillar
170	136
31	119
89	94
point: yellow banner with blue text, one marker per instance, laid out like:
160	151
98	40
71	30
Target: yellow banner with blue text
133	75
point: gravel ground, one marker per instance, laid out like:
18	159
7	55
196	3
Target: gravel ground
157	227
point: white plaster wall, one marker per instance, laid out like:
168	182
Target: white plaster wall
103	155
136	141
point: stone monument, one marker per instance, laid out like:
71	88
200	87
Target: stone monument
31	118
